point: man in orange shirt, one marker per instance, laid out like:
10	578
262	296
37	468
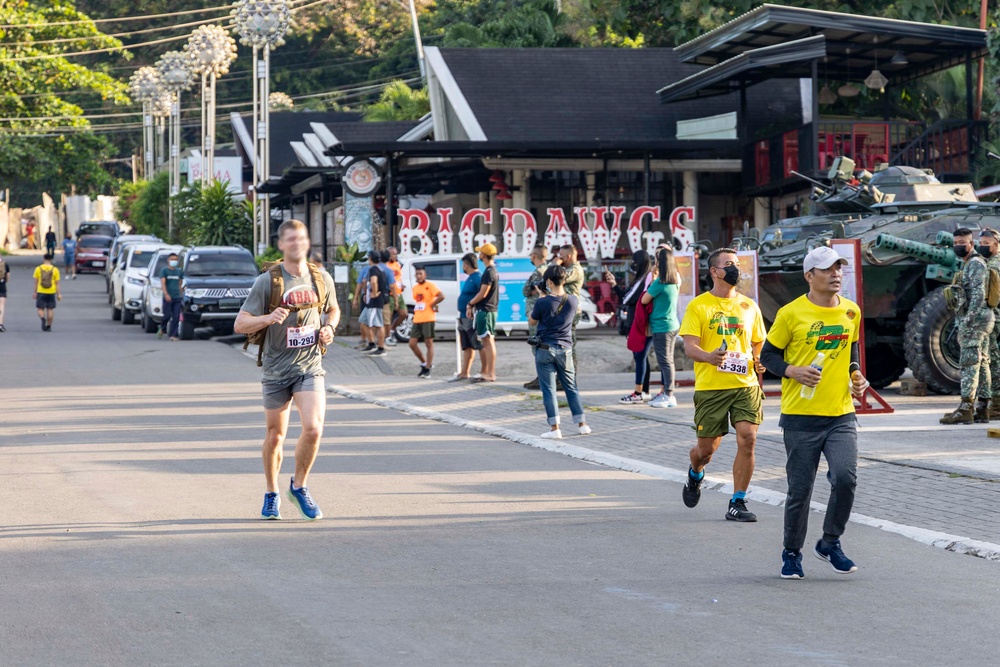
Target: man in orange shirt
426	297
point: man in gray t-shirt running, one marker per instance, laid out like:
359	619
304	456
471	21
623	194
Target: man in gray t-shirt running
293	364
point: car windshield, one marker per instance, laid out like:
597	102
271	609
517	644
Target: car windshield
92	228
140	259
94	242
219	264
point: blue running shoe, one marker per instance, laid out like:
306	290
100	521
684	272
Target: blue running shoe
834	555
272	505
791	567
310	510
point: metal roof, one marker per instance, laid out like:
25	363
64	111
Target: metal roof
853	42
786	60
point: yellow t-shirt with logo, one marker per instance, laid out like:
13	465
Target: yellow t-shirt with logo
713	319
802	329
38	277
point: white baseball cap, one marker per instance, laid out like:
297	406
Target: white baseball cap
821	257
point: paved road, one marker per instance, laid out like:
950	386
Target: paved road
131	471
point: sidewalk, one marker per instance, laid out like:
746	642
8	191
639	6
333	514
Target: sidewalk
911	477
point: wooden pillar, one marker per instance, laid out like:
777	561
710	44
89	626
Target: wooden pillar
645	178
390	200
814	158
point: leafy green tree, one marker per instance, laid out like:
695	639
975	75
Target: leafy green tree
148	212
219	220
535	23
43	152
399	102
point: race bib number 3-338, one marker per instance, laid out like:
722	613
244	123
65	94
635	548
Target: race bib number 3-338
298	337
736	363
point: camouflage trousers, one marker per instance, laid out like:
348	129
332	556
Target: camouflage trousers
975	340
576	321
994	346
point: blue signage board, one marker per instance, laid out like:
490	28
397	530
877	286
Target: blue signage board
514	271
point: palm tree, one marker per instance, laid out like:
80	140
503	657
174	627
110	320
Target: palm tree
399	102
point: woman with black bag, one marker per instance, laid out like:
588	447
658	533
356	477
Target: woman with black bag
639	343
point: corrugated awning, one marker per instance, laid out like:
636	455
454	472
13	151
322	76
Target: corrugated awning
786	60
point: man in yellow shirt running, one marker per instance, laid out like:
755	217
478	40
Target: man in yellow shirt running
723	332
47	291
813	347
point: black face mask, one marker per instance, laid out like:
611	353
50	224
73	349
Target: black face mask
732	276
961	250
985	251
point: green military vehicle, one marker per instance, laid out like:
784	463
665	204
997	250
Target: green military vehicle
904	218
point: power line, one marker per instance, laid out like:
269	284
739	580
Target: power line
345	93
128	47
101	35
121	19
360	86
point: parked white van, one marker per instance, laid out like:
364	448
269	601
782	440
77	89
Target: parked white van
445	271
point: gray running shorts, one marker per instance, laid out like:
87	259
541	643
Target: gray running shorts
372	317
277	394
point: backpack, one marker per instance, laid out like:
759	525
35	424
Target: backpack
383	285
993	287
277	291
47	278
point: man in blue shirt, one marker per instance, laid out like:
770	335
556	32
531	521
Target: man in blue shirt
362	282
171	282
466	330
69	256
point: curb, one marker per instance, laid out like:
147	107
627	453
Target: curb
948	542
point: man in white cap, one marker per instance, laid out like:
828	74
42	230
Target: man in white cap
813	347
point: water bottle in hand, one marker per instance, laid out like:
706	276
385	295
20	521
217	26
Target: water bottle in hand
817	363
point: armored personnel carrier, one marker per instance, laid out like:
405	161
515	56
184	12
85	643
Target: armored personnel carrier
904	218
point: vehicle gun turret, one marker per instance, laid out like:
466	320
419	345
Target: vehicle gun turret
942	262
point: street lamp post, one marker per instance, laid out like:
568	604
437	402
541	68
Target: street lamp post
176	75
261	24
145	87
211	52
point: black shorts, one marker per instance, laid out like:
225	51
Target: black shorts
3	290
45	301
467	335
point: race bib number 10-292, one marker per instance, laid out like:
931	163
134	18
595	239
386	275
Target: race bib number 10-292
299	337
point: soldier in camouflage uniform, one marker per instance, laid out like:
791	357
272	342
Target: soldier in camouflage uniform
539	257
989	247
975	327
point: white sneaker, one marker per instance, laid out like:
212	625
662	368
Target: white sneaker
552	435
585	430
391	341
646	396
659	401
456	378
671	401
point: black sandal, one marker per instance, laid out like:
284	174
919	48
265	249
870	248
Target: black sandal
3	329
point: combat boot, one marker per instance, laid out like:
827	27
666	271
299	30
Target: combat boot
983	410
995	411
963	415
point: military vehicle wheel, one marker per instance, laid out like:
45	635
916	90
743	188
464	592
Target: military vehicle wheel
931	344
884	366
